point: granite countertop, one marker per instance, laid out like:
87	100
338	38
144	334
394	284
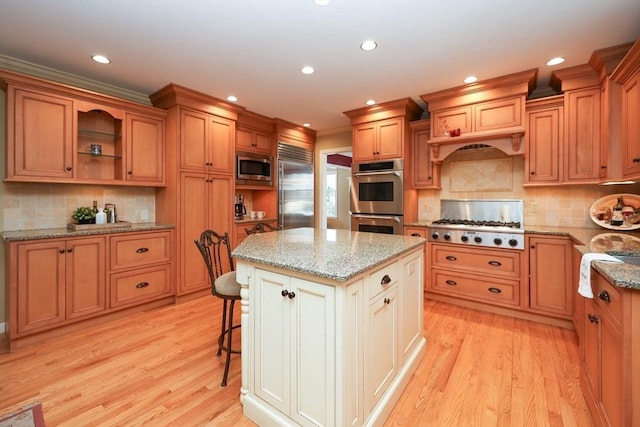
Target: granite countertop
600	240
53	233
332	254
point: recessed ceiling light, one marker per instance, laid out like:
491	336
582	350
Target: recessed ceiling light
101	59
368	45
232	98
371	102
471	79
555	61
306	125
307	70
322	2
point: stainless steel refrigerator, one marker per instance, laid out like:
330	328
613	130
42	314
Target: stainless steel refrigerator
295	187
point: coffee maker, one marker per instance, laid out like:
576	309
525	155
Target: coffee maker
239	208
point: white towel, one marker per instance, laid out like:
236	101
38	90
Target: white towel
584	285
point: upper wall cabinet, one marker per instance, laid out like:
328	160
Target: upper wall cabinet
544	141
382	131
254	133
293	134
426	174
489	112
627	75
56	133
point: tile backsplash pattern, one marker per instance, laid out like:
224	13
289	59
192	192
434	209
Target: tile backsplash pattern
29	206
555	206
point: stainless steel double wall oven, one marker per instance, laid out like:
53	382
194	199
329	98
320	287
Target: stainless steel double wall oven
377	196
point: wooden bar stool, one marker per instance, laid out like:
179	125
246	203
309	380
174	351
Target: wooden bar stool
216	252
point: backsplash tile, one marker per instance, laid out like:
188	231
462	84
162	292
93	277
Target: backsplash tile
29	206
563	206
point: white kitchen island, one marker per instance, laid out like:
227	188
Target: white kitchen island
331	325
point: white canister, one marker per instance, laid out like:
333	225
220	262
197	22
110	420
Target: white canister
101	217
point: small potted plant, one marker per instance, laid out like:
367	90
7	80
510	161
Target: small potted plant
84	215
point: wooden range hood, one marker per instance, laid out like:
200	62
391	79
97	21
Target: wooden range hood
490	112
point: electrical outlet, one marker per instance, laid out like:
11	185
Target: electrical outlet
534	207
144	215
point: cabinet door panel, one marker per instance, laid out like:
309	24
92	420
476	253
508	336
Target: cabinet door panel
411	301
611	373
145	150
391	138
193	140
86	277
498	114
313	347
272	377
456	118
544	139
382	346
41	285
129	288
222	142
364	142
631	127
551	276
194	220
583	135
43	136
591	347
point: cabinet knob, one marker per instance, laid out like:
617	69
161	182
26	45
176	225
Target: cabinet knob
69	168
130	173
69	249
532	246
636	160
62	250
387	300
292	295
603	167
604	296
284	293
533	173
385	280
592	318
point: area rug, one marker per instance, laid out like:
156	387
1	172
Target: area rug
27	416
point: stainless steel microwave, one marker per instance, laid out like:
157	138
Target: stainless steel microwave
254	169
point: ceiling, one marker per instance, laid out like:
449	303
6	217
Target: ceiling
255	49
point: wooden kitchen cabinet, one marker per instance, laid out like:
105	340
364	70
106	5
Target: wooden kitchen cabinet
551	275
206	202
610	354
254	133
55	281
51	127
426	174
200	177
379	140
582	135
544	140
39	135
241	228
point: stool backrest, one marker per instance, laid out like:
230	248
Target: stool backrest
216	251
260	227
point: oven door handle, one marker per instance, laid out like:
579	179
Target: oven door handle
358	174
392	218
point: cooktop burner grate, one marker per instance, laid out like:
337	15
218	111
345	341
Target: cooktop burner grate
475	223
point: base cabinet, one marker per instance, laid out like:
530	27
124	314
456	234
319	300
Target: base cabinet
322	353
610	354
52	283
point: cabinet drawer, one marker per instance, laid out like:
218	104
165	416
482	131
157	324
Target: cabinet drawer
138	285
135	250
607	296
481	261
469	286
382	279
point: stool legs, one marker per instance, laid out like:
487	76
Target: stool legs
230	333
227	332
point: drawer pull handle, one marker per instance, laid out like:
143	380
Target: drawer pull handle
142	250
495	263
415	234
142	285
385	280
593	318
495	290
451	282
604	296
451	258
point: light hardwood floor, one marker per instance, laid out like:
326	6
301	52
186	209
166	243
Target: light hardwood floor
159	368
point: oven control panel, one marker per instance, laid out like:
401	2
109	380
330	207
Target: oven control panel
477	238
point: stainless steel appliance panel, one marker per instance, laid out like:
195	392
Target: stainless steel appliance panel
385	224
254	169
295	187
377	188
